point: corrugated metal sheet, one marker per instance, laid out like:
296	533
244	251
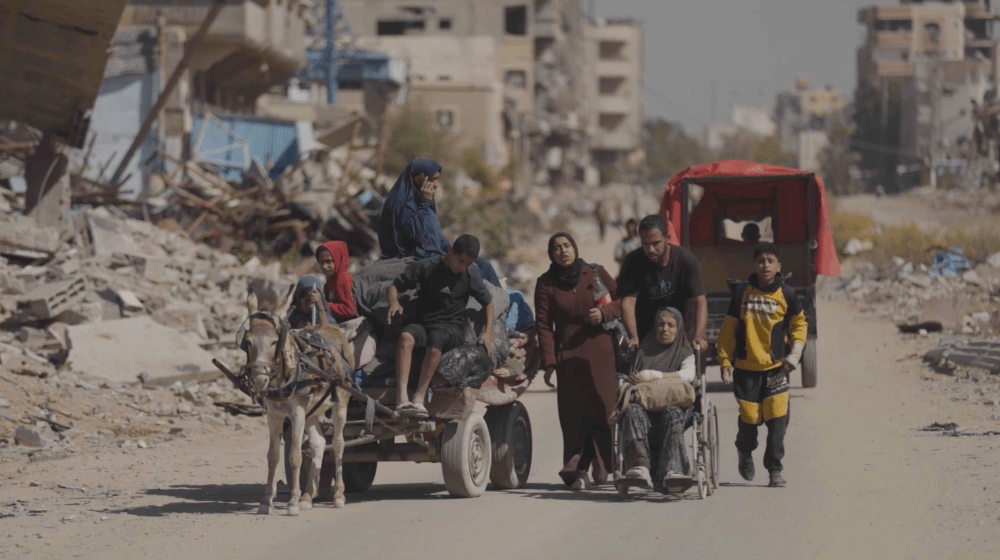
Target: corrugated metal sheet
267	140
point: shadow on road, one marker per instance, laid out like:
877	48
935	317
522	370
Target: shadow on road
601	494
398	492
202	499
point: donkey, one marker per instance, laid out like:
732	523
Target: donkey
273	373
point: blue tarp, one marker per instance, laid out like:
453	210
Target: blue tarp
949	264
268	139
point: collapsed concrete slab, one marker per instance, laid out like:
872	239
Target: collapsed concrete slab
121	350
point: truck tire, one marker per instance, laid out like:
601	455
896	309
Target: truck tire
358	477
466	455
809	373
510	433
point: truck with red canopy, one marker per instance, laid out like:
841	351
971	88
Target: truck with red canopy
711	209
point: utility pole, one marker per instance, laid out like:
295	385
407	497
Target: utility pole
332	69
935	87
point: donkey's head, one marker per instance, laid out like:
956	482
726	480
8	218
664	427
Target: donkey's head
269	354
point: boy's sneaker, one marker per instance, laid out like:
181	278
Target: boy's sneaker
776	480
746	465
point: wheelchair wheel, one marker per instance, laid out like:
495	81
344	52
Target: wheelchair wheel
623	493
713	444
702	484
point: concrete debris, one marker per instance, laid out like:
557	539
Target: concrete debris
121	350
29	437
48	301
979	354
130	303
994	260
855	246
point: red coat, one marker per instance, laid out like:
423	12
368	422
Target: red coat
340	289
584	359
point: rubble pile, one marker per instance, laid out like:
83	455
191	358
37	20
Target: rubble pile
326	195
955	295
107	331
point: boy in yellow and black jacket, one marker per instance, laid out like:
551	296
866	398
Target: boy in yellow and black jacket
763	315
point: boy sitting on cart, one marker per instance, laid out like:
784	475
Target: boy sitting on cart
444	285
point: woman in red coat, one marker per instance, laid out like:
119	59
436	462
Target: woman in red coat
577	348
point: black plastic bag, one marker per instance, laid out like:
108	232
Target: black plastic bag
466	366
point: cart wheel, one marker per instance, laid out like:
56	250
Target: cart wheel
358	477
713	441
808	365
466	456
510	432
702	484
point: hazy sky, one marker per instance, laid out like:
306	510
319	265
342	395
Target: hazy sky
752	49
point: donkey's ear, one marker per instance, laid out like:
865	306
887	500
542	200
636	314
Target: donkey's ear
251	300
288	297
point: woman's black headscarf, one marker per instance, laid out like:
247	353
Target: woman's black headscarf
567	277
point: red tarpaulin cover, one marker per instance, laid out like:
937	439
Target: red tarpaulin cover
789	215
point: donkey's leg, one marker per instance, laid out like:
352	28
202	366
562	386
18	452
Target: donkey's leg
316	445
339	421
295	457
274	423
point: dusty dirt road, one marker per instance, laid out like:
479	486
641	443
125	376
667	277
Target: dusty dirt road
863	483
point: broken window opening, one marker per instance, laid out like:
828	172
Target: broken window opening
609	122
612	50
516	20
399	26
516	79
444	119
610	86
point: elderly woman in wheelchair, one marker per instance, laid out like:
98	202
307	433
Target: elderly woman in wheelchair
655	407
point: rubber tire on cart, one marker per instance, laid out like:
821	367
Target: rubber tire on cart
510	433
466	455
809	373
358	477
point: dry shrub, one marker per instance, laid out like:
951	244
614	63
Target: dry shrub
910	242
846	225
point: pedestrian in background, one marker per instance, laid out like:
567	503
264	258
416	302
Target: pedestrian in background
580	352
601	214
629	243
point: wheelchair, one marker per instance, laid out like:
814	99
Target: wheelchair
701	435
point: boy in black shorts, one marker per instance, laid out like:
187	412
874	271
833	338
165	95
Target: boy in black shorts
763	312
444	285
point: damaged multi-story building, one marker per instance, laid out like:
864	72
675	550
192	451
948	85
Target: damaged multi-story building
470	63
802	117
932	58
535	81
615	97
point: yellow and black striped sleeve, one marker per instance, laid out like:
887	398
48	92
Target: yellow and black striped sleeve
726	344
797	325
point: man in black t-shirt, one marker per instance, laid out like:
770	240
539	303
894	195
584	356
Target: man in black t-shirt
444	285
659	275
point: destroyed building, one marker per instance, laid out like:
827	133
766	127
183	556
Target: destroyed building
616	83
801	116
930	58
